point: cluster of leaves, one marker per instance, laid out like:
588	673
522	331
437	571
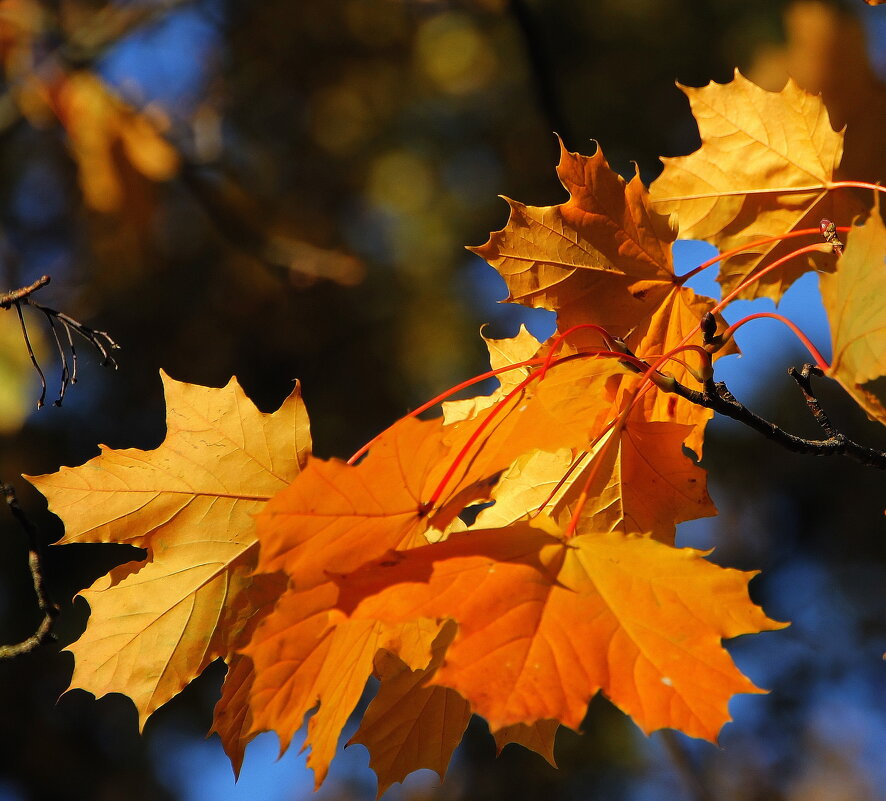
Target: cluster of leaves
515	556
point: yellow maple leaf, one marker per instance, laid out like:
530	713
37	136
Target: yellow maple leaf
156	624
763	169
855	301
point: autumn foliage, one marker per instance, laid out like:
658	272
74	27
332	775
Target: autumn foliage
515	556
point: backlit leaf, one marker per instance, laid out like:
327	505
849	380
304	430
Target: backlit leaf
763	170
155	625
545	623
855	300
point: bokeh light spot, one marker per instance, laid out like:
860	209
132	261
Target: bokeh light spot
454	54
401	181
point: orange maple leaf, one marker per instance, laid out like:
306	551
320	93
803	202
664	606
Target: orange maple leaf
156	624
409	724
643	483
764	168
624	282
307	654
338	516
545	623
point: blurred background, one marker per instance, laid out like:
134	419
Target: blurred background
279	190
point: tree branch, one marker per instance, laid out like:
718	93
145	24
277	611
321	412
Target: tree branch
35	561
16	295
716	396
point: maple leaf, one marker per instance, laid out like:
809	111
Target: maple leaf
855	301
643	483
307	654
336	517
538	737
409	724
545	623
156	624
626	283
592	259
763	169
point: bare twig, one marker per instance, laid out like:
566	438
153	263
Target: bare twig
100	340
21	319
35	562
802	377
16	295
716	396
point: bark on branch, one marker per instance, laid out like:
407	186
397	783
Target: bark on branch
716	396
35	562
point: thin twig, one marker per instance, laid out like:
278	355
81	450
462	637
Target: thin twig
716	396
802	377
21	294
100	340
21	319
63	358
35	562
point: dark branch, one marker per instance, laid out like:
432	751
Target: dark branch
35	561
716	396
802	377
